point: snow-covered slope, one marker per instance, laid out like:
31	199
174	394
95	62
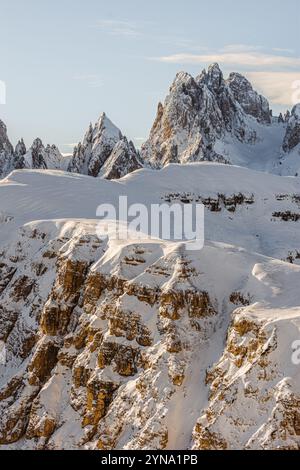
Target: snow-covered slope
141	344
40	157
240	203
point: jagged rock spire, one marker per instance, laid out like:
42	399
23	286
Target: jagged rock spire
6	151
20	149
199	112
104	152
98	143
124	159
252	103
292	136
214	77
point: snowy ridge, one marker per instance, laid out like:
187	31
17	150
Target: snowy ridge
248	221
140	344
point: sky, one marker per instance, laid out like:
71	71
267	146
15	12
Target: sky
64	62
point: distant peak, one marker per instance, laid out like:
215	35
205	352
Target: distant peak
296	111
214	68
3	126
105	124
182	78
214	77
20	148
102	118
239	80
37	143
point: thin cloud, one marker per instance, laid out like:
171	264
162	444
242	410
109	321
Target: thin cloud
279	87
287	51
92	81
244	59
240	48
119	28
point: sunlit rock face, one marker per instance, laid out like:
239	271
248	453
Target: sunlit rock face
104	152
292	137
251	102
6	151
109	345
98	144
200	111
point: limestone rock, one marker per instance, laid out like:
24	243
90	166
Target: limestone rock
197	113
6	151
292	137
123	160
251	102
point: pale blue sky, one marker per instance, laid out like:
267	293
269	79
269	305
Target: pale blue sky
66	61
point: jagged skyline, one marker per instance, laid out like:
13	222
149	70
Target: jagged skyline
203	118
67	79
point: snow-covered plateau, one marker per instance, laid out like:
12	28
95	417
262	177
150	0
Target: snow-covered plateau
143	344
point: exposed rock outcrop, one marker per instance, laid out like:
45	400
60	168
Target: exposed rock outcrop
104	152
98	339
98	144
292	137
123	160
251	102
6	152
20	152
107	344
43	158
246	384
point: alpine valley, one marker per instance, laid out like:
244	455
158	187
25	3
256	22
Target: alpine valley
142	344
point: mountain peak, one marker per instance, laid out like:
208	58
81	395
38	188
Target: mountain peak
292	136
96	156
6	151
252	103
37	143
296	111
124	159
104	124
214	77
3	127
197	113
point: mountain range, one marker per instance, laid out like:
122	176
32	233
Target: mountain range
207	118
143	344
